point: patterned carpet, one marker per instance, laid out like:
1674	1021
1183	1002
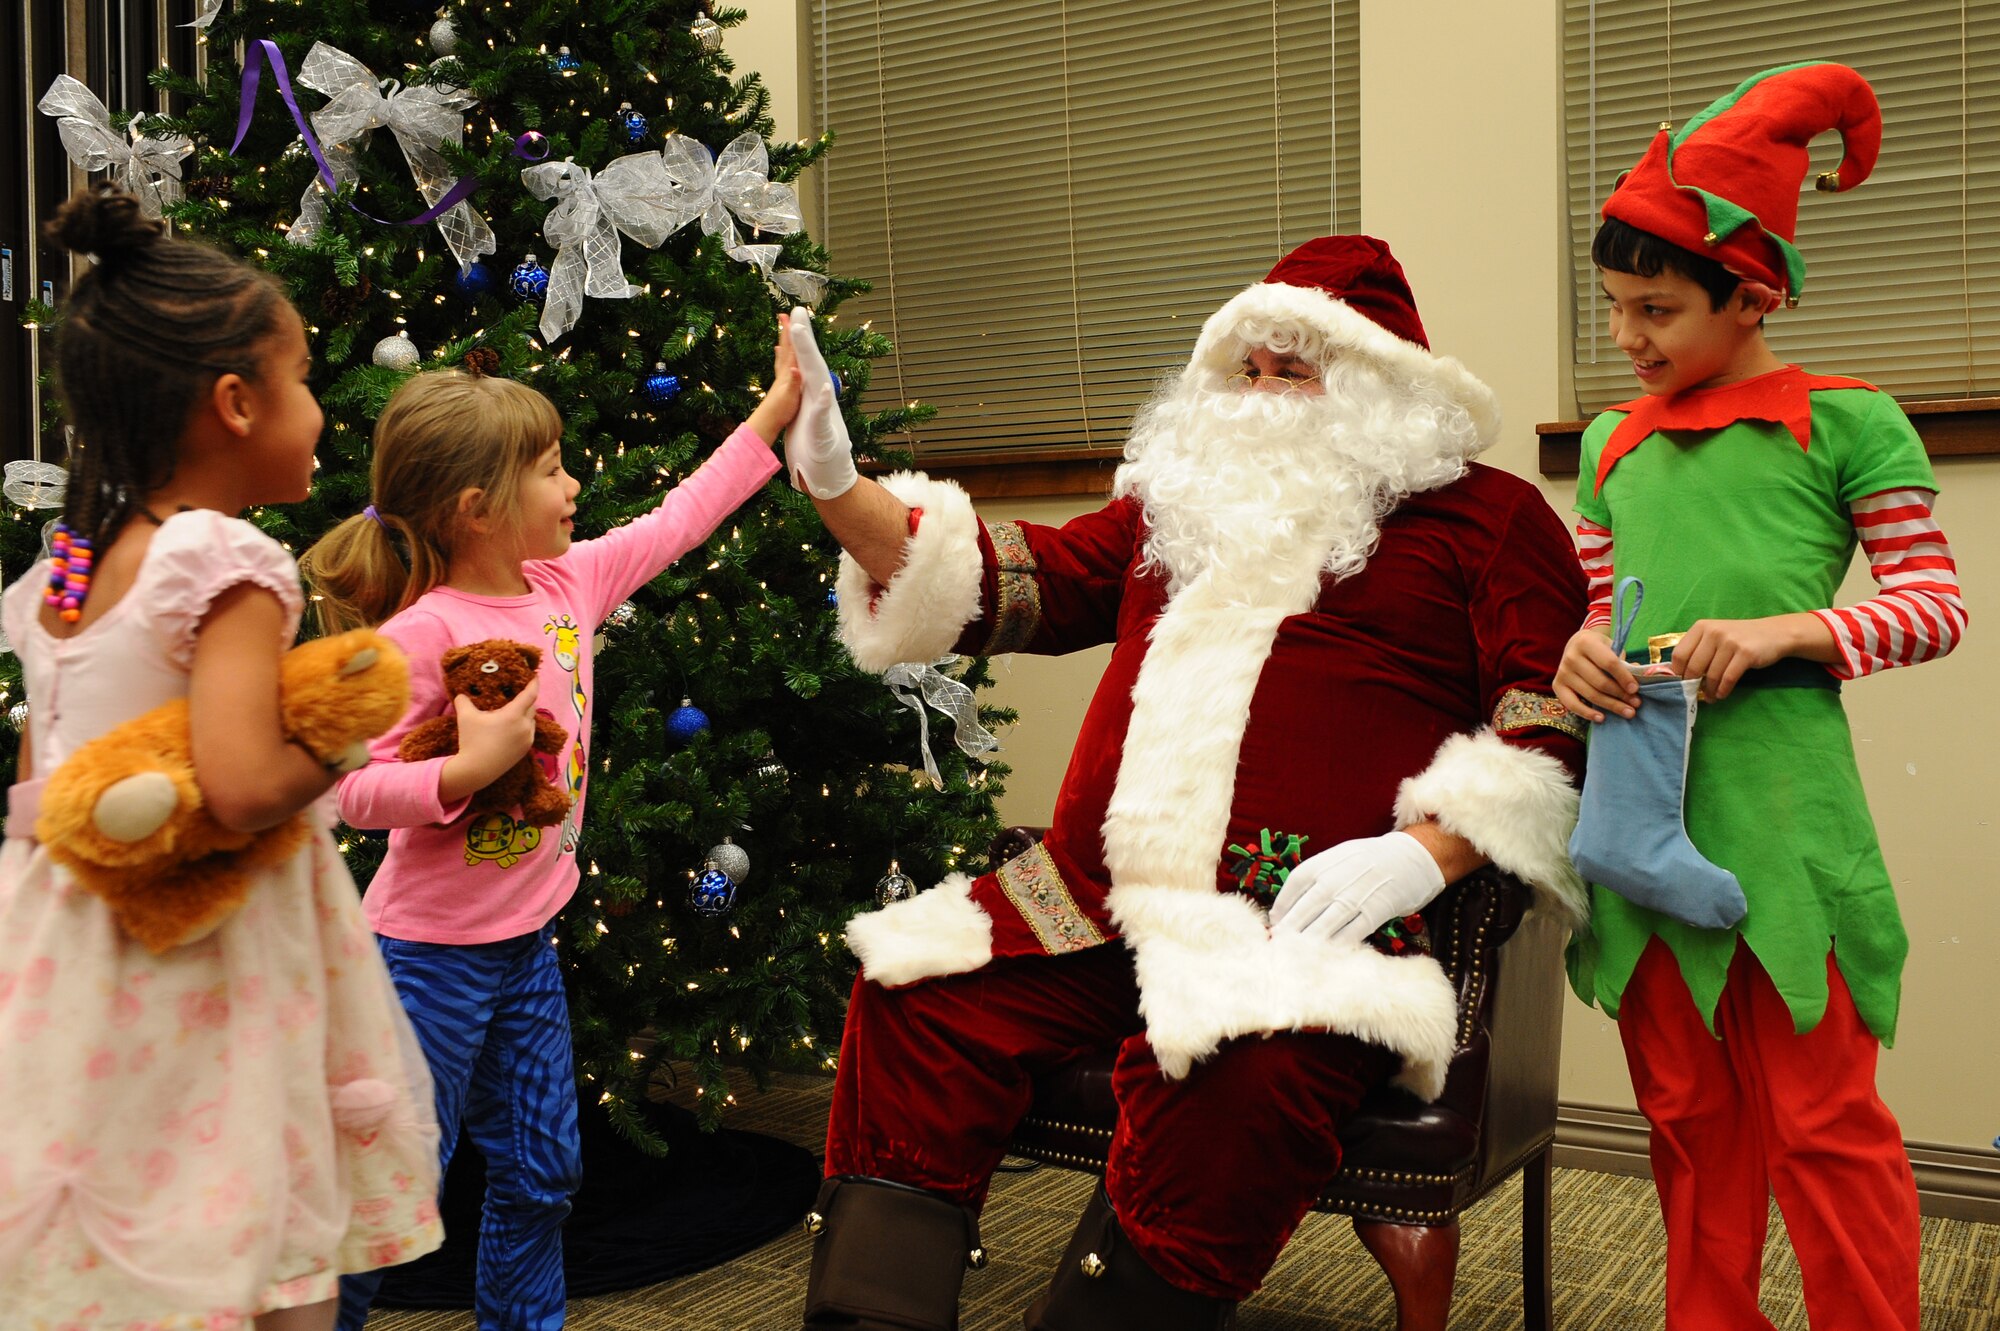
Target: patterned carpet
1608	1270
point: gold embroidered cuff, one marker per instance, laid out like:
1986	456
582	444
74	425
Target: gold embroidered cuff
1017	613
1037	890
1518	710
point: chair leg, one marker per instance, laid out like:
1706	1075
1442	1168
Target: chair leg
1421	1262
1537	1283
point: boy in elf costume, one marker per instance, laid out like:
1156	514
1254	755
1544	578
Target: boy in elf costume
1736	489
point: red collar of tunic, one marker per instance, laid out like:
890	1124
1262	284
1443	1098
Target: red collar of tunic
1783	397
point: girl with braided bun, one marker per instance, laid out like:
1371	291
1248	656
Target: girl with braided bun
211	1135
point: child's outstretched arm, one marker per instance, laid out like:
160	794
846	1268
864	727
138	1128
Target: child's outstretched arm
621	561
250	774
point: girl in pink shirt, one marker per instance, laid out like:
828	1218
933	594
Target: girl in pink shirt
468	539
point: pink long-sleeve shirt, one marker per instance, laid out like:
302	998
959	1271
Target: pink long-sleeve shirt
454	878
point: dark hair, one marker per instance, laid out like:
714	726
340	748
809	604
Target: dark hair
1621	247
151	325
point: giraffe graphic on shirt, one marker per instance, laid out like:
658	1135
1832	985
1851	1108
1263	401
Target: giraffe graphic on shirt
568	652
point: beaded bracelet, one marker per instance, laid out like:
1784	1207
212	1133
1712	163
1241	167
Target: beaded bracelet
69	573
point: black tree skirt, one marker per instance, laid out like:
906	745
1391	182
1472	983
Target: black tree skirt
638	1220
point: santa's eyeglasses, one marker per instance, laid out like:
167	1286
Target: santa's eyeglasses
1245	381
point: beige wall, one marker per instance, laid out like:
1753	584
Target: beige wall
1461	171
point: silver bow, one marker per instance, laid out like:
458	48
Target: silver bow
915	683
35	484
719	190
210	11
632	195
150	168
421	119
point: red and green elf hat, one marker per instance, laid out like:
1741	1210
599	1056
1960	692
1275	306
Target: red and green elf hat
1727	185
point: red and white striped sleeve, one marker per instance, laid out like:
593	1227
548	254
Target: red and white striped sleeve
1593	549
1919	613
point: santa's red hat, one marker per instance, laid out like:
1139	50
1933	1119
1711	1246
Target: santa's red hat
1347	293
1727	185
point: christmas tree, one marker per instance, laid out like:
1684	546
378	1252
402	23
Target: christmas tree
630	243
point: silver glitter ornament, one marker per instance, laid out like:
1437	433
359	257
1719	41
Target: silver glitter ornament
731	858
397	352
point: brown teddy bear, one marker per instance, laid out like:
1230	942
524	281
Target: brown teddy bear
126	816
490	673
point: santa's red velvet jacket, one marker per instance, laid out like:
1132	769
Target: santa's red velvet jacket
1420	687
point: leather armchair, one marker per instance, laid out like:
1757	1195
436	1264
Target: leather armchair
1409	1169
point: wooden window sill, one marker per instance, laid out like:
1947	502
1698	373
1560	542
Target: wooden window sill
1021	473
1957	427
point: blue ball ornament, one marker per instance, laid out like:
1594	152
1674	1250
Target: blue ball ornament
686	721
631	124
564	63
659	386
475	281
832	597
838	386
712	893
529	281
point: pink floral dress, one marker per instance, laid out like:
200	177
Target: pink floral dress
191	1139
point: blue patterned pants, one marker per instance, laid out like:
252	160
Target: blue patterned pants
494	1025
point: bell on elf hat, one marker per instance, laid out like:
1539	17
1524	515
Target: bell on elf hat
1350	294
1727	184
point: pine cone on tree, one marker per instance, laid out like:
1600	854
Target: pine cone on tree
480	362
341	303
211	187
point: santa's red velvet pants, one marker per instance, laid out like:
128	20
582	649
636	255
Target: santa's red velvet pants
1764	1110
1209	1175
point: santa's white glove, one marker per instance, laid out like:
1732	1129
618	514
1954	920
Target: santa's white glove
818	454
1356	887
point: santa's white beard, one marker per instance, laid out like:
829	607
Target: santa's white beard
1259	488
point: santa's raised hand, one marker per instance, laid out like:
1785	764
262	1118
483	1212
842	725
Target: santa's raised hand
819	457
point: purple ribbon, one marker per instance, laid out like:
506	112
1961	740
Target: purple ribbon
265	52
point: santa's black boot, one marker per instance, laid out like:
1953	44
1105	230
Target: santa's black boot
1102	1284
887	1257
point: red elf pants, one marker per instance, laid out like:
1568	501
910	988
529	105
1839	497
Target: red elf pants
1209	1175
1762	1110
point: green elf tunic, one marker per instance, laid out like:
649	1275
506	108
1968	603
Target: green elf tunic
1732	503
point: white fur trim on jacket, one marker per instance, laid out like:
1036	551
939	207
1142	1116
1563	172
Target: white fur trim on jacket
1340	325
1210	970
925	607
939	932
1516	804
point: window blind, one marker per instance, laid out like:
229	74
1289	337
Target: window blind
1049	196
1902	273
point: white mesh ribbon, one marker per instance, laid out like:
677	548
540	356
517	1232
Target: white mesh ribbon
34	484
720	190
632	195
150	168
915	683
210	11
422	119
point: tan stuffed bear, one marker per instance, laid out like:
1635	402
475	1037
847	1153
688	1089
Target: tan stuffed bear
490	673
126	816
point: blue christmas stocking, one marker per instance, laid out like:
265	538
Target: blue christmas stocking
1630	834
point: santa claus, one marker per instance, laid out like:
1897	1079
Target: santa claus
1329	696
